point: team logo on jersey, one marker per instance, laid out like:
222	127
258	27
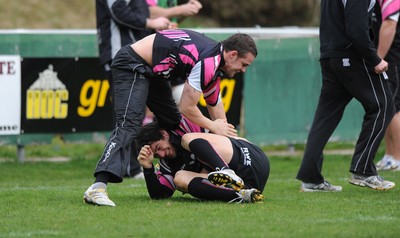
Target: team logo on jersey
246	156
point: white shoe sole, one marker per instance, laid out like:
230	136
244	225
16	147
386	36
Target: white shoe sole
362	183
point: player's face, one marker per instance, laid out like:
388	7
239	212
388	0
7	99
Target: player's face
235	64
163	149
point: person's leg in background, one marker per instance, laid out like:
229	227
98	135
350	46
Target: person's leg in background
134	170
373	92
162	104
332	102
391	159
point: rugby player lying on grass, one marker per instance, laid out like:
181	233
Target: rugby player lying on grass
205	165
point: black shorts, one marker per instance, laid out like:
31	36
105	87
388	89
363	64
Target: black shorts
250	163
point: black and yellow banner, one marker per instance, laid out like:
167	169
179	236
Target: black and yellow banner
61	95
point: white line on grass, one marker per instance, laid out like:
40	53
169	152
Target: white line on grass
60	188
31	233
356	218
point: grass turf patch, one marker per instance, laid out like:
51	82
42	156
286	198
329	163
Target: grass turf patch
44	199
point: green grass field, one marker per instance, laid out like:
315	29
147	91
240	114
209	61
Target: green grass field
44	199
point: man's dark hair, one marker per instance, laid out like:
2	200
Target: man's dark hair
148	134
242	43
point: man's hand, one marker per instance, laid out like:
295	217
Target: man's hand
191	8
381	67
222	127
158	24
146	157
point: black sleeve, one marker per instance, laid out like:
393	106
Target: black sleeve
358	29
133	16
155	188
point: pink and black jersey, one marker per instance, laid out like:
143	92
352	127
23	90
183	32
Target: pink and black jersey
186	126
191	56
187	159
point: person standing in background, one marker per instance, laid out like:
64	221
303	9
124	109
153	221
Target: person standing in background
351	68
121	23
388	44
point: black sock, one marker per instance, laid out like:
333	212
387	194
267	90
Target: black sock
204	189
103	177
206	154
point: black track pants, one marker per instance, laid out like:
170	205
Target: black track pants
343	80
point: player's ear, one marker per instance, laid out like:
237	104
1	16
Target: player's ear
233	54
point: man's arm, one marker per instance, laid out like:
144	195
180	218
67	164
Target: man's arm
356	16
217	112
387	33
190	8
158	186
136	17
188	107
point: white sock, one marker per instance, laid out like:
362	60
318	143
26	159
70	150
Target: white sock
387	157
99	185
